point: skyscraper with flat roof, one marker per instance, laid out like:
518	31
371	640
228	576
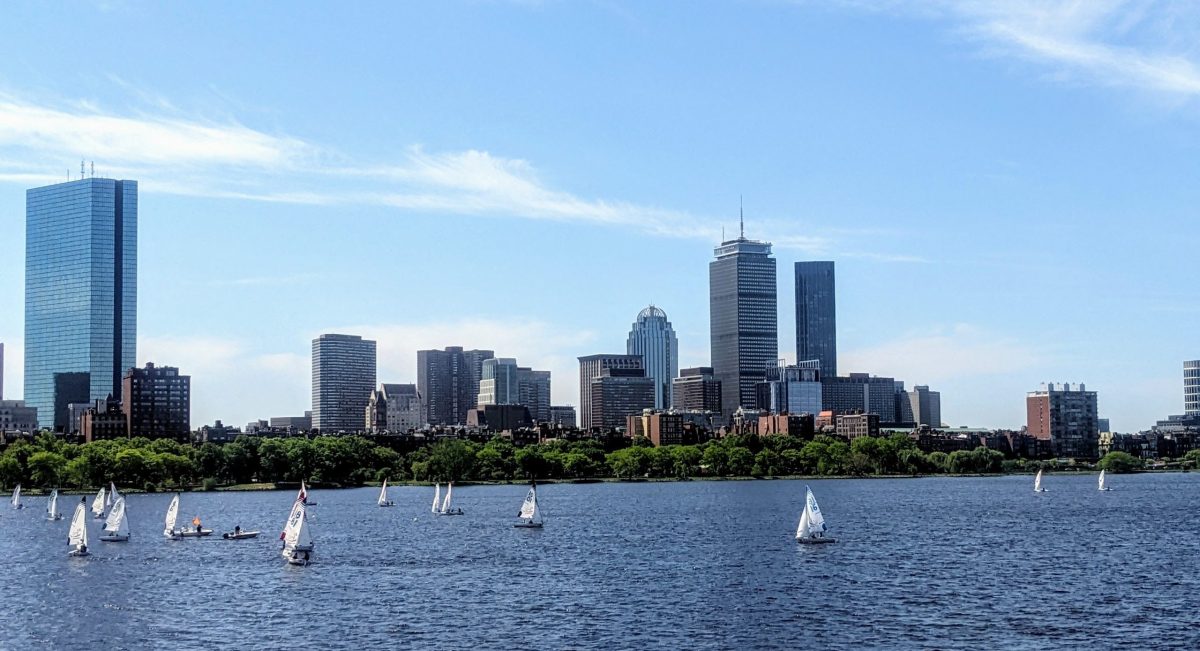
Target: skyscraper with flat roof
80	293
1191	388
816	315
654	339
743	319
343	376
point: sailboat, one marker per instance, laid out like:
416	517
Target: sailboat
16	498
531	516
116	527
98	505
445	508
112	496
1037	483
172	515
303	495
437	497
383	498
297	536
1101	482
812	523
78	538
52	506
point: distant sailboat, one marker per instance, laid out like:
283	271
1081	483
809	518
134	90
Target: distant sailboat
531	515
1101	482
812	523
1037	483
445	508
383	496
172	516
303	495
297	536
77	538
437	497
52	506
98	505
112	496
16	498
116	527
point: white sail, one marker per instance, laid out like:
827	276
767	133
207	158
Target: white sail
16	497
113	495
812	522
383	493
172	516
1101	481
78	534
52	505
529	508
1037	481
446	502
297	535
437	497
117	523
98	503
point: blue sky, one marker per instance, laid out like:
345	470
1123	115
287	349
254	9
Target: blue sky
1008	188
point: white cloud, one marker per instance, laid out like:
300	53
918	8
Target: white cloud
944	355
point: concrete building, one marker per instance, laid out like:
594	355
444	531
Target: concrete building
696	389
926	406
80	292
1	370
218	433
860	393
343	375
562	415
158	403
294	423
394	408
499	384
499	418
654	339
448	381
1066	417
616	394
16	417
904	409
1191	388
592	367
816	314
798	425
794	389
852	426
743	319
104	420
533	391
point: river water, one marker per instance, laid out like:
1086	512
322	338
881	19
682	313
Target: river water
935	563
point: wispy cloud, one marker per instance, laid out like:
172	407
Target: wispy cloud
943	355
1145	44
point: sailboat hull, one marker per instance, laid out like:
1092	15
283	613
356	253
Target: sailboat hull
1039	490
75	553
57	517
387	503
451	512
815	541
245	535
528	525
112	538
195	534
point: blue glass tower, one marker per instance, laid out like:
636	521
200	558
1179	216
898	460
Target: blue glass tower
80	293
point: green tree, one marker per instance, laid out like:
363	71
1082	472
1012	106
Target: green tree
578	465
273	460
1119	462
687	460
716	460
47	469
741	462
531	463
768	462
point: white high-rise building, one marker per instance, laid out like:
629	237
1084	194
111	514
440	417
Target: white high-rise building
498	384
654	339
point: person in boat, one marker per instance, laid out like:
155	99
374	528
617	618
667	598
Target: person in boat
196	523
83	549
237	530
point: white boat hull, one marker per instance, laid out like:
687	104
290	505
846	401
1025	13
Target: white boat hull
245	535
57	517
194	534
1039	490
78	553
815	541
452	512
112	538
387	503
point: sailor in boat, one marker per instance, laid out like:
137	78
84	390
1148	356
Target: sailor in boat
237	530
196	523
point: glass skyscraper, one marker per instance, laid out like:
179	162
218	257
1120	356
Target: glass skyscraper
654	339
743	320
80	293
816	315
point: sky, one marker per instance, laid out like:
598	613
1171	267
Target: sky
1007	189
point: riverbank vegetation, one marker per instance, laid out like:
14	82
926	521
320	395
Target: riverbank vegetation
349	461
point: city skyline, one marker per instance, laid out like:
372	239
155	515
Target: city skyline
970	187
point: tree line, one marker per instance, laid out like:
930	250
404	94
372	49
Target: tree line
351	460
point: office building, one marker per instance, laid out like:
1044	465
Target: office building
860	393
926	406
533	391
816	315
654	339
1066	417
612	387
1191	388
104	420
696	389
448	381
743	319
394	408
16	417
343	375
292	423
791	389
80	291
1	370
498	384
562	415
852	426
158	403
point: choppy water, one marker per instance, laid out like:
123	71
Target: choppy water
940	563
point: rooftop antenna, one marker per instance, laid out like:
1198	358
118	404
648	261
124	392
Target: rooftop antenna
93	169
741	220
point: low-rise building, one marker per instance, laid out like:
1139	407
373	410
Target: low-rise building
852	426
104	420
799	425
562	415
16	417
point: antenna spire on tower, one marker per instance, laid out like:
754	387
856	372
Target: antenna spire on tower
741	219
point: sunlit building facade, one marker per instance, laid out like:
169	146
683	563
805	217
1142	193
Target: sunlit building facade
654	339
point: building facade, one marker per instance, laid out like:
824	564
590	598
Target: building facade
533	391
158	403
562	415
1191	388
498	384
791	389
394	408
343	375
1066	417
80	290
816	314
104	420
697	389
294	423
926	406
448	381
16	417
593	367
743	319
654	339
860	393
1	370
616	395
